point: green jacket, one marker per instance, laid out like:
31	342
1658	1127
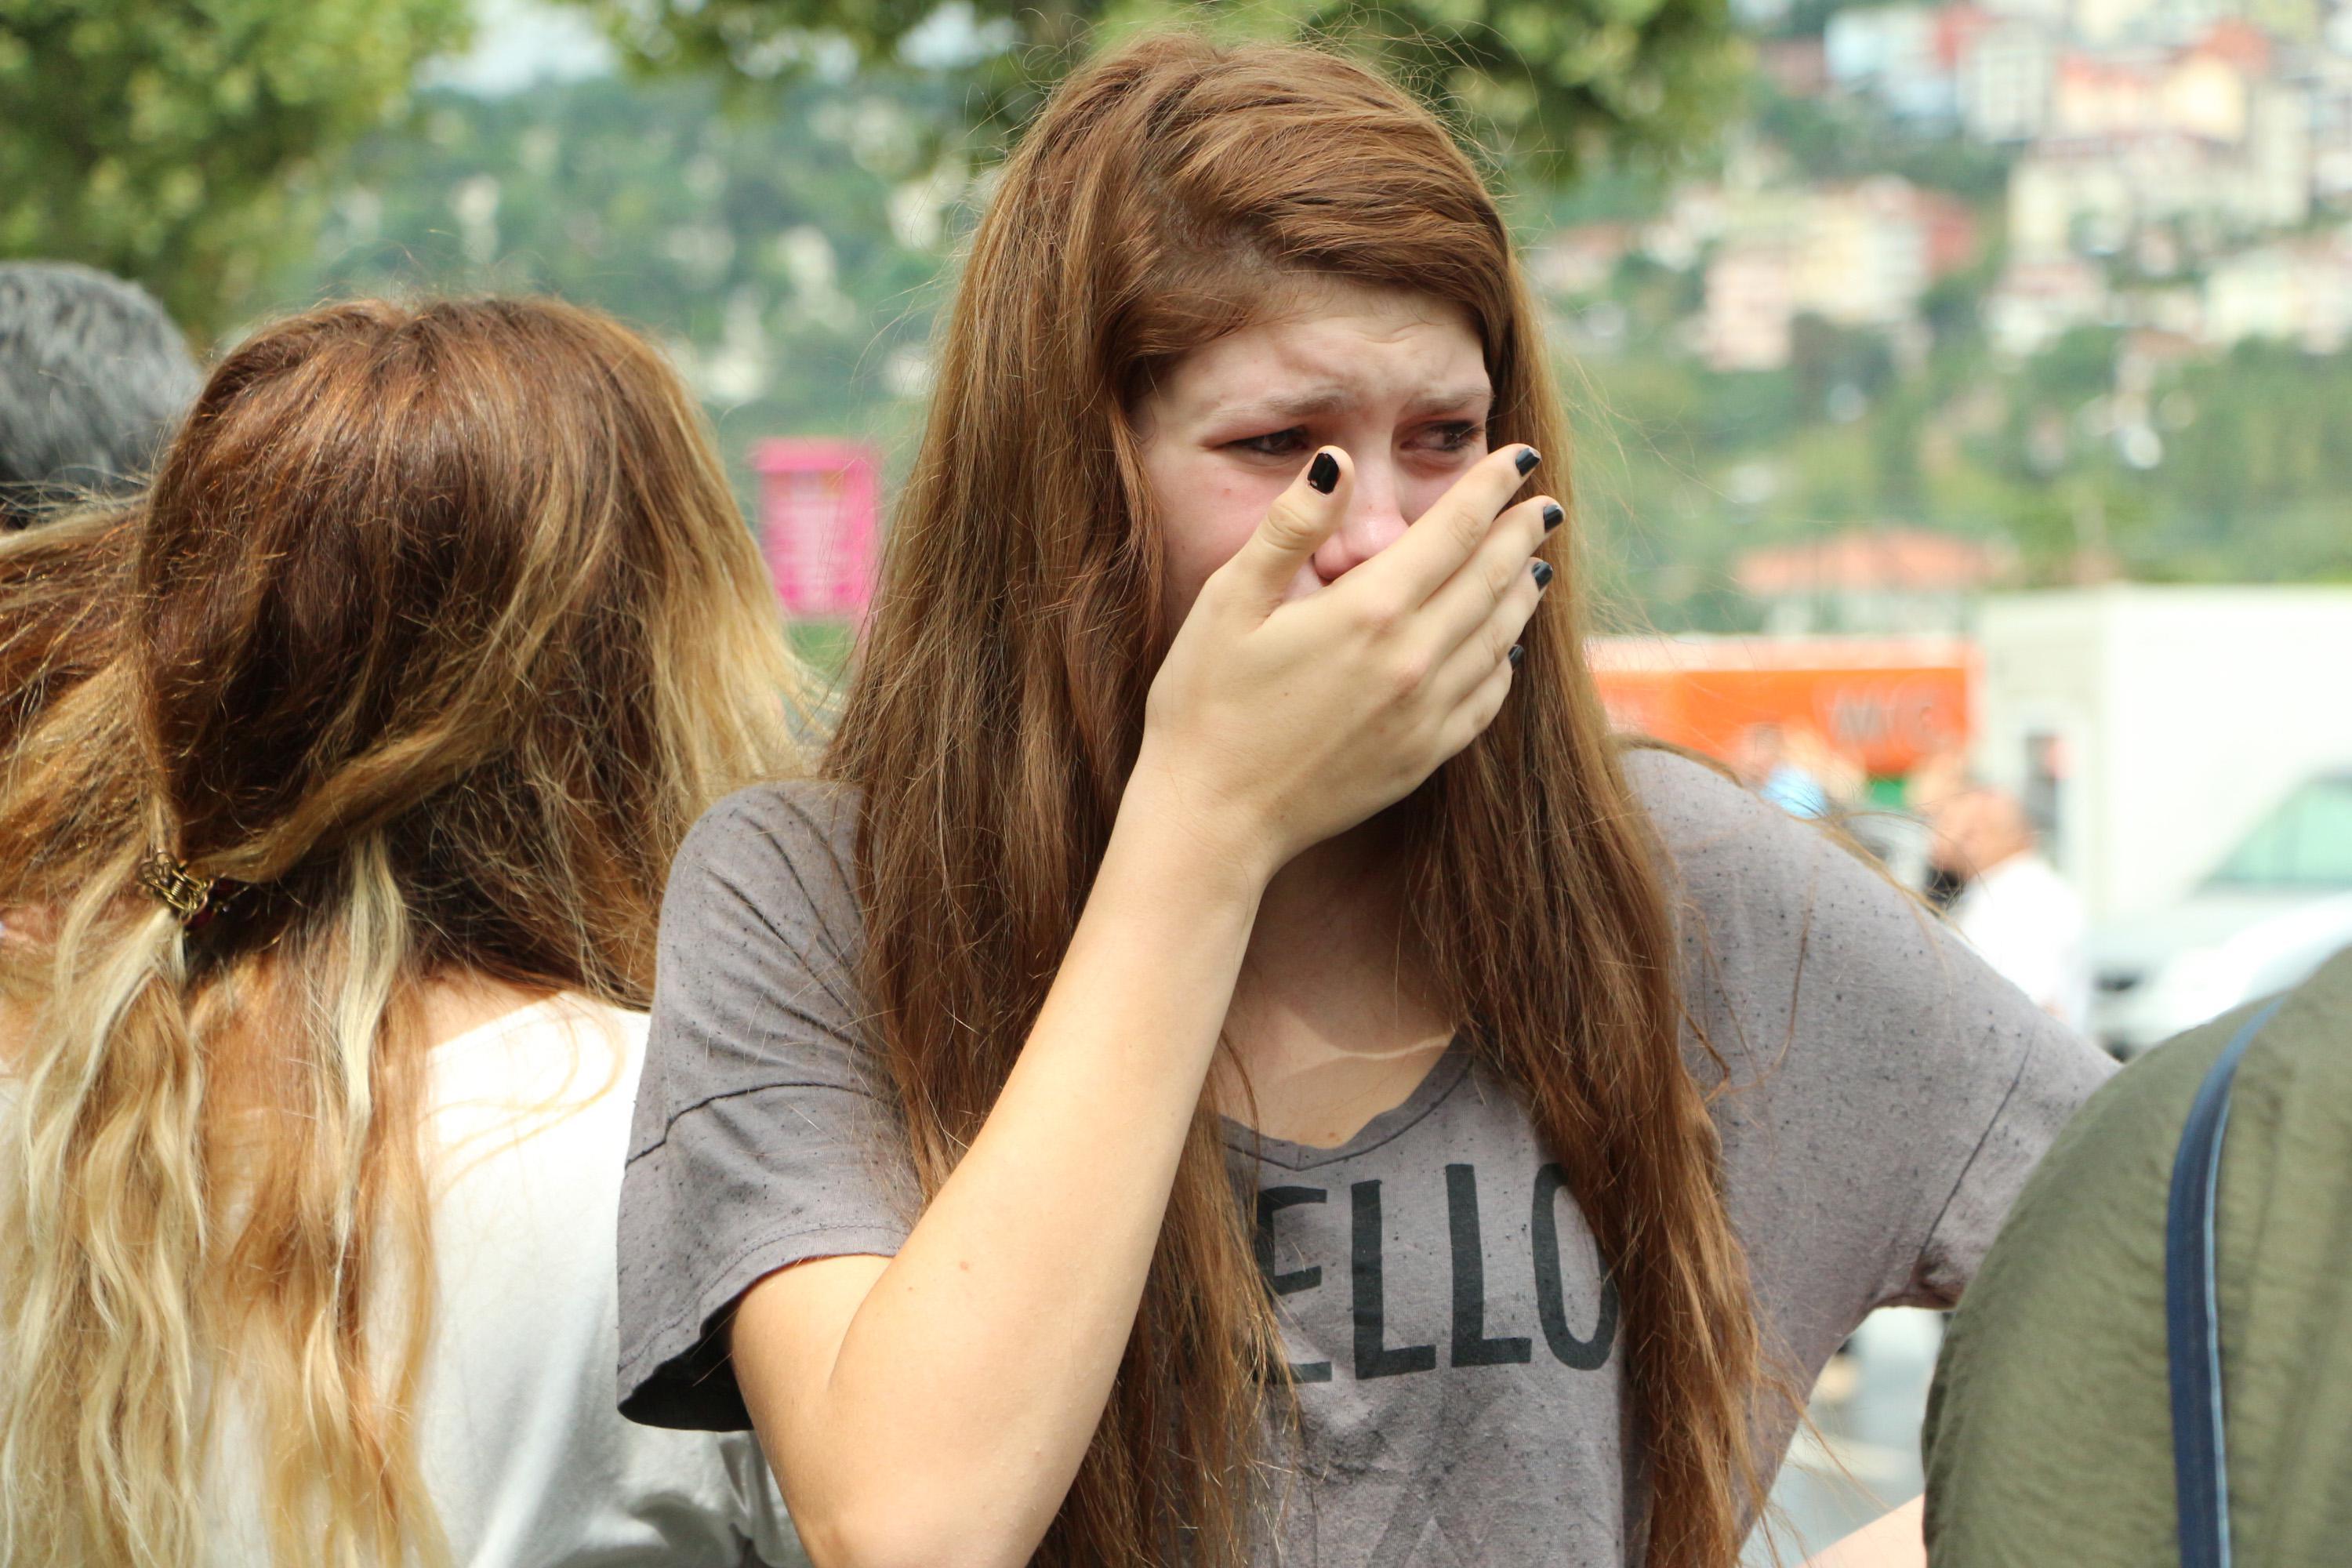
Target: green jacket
2049	1431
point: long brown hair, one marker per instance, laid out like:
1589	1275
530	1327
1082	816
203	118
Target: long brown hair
60	605
1161	195
437	631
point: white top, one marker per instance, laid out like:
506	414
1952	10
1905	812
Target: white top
521	1447
2029	926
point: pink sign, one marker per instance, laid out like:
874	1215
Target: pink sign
819	502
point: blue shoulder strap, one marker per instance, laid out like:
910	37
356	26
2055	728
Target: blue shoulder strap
2200	1469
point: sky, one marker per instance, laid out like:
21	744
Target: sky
519	43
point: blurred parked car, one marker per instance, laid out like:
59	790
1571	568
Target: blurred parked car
2278	907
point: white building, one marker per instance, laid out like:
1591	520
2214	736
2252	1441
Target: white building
2155	725
2277	190
2037	302
1857	254
2005	82
2251	294
1866	47
2299	291
1905	57
1751	305
2093	194
2327	85
2073	198
2110	21
1863	260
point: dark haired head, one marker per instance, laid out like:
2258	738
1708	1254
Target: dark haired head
93	374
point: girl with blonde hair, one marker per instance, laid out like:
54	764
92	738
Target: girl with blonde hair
1231	1063
346	767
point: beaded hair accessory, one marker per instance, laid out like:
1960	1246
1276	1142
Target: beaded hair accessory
188	898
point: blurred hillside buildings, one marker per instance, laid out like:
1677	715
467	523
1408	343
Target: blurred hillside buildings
1888	581
2173	166
1859	255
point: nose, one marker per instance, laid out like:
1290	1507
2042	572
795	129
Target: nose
1375	521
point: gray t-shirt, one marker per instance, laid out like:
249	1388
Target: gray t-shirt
1459	1351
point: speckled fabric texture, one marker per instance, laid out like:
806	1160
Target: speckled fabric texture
2049	1435
1459	1350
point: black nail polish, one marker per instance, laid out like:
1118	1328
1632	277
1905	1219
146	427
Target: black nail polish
1543	574
1552	515
1528	458
1516	653
1323	472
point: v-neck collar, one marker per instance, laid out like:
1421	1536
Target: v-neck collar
1444	1077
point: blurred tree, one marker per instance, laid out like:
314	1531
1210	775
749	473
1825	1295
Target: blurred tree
1837	370
173	141
1550	85
1844	138
789	261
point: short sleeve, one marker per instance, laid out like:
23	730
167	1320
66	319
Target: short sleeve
2056	1072
765	1133
1882	1093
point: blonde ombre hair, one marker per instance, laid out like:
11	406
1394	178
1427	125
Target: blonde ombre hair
437	631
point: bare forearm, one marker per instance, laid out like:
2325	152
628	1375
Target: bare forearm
974	1372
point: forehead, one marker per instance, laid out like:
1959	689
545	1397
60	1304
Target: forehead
1331	344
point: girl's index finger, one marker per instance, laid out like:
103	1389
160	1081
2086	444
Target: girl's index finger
1446	536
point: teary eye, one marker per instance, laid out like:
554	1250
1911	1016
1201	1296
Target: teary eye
1279	444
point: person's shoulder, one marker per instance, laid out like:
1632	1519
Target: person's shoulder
787	839
2085	1232
2292	1089
568	1027
549	1083
1720	841
2316	1016
580	1014
794	813
1692	804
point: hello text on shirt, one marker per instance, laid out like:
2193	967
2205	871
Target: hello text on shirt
1471	1344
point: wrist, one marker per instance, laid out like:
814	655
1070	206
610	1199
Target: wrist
1191	839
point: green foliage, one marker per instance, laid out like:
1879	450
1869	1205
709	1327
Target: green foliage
1828	359
1843	138
788	258
2255	477
1681	469
1549	84
176	141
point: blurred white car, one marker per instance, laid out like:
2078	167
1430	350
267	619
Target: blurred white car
2278	907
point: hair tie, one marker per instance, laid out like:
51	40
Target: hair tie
188	897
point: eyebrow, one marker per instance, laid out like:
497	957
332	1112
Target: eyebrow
1324	399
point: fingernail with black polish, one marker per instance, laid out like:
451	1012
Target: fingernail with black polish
1552	515
1528	458
1516	653
1323	472
1543	574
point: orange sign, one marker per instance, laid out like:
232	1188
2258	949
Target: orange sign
1885	706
